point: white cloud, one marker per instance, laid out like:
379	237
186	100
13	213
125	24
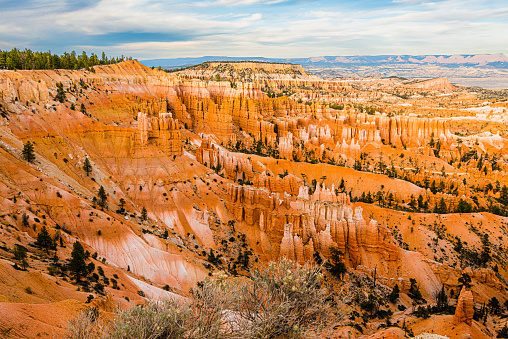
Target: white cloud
231	3
306	29
411	1
256	16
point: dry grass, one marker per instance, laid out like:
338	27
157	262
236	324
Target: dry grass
87	324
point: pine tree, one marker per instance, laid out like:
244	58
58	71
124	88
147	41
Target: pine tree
87	167
10	63
380	197
442	209
390	198
27	59
144	213
20	254
485	255
28	152
412	202
44	240
394	295
342	186
441	300
2	60
503	196
60	93
458	247
78	265
414	291
336	266
433	187
463	207
420	202
436	209
103	197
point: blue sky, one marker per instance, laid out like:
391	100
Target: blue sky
147	29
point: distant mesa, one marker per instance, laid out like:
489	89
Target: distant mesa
494	60
256	67
437	84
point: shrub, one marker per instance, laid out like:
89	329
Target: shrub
371	305
503	333
422	312
52	270
168	319
24	219
214	259
465	280
282	301
86	325
99	288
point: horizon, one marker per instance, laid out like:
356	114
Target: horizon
323	56
151	29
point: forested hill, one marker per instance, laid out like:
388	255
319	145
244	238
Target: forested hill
28	59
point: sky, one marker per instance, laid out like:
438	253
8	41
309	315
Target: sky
152	29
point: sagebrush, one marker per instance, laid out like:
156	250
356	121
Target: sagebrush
284	300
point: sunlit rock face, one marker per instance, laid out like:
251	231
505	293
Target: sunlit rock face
465	308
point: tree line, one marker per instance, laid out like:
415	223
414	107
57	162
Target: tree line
27	59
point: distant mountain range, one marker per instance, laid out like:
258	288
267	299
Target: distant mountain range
491	60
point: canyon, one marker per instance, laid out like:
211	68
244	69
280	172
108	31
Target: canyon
253	162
